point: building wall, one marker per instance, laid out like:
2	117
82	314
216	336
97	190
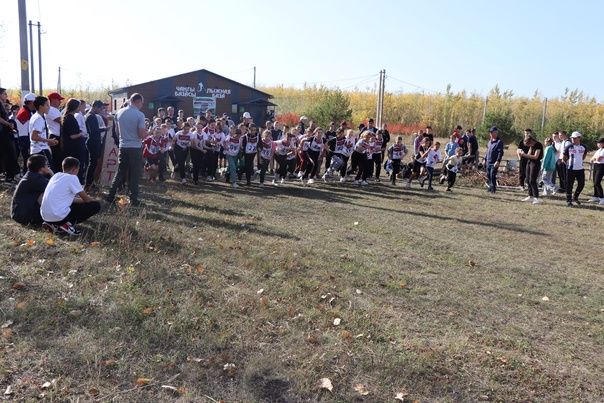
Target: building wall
195	91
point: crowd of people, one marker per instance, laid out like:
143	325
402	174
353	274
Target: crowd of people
60	153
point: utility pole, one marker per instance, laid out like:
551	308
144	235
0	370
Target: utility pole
543	116
40	57
59	81
23	47
383	96
378	112
254	76
31	57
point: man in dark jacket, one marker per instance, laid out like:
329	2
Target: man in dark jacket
96	132
25	206
493	158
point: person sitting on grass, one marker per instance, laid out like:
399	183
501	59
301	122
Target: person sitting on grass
65	202
25	206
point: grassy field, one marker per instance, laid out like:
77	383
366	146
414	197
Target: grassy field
255	295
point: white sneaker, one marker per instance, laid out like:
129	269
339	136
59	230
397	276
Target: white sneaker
601	201
342	180
527	199
356	182
594	199
282	181
235	186
209	179
364	183
311	181
274	182
537	200
184	181
261	185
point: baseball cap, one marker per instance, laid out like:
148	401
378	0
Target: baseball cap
30	97
55	95
246	115
575	135
493	129
98	104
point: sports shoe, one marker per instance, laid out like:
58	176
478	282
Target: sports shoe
537	200
527	199
50	227
594	199
69	229
364	183
430	188
602	201
311	181
569	204
377	180
235	185
261	184
448	189
274	182
342	180
282	181
209	179
576	200
356	182
183	181
442	179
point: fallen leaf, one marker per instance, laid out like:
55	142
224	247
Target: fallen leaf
18	286
109	362
122	202
337	321
199	269
402	284
361	389
401	396
172	389
325	383
94	244
75	313
7	333
143	381
545	298
148	311
21	305
346	335
6	324
264	301
230	369
260	291
30	242
471	263
312	339
93	391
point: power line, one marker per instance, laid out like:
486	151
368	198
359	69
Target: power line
411	84
334	81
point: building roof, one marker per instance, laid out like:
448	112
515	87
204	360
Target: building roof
259	101
124	89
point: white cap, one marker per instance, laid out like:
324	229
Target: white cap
246	115
29	97
575	135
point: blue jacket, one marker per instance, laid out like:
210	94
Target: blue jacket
494	151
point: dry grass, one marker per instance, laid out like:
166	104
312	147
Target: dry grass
172	294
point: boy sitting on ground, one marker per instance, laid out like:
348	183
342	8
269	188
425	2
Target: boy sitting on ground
65	202
25	206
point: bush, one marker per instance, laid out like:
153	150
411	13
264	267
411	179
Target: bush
329	105
504	121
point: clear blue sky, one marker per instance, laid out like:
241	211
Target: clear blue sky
521	45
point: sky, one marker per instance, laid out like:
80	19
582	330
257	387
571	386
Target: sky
523	46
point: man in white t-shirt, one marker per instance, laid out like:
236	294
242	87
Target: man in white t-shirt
65	202
53	120
573	156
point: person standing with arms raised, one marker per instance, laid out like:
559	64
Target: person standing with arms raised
131	126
